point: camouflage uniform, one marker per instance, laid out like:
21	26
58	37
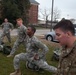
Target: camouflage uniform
6	30
33	47
21	38
67	63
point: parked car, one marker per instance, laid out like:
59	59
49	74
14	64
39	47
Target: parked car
50	36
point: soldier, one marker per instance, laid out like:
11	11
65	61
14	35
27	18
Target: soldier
65	34
7	26
21	38
32	53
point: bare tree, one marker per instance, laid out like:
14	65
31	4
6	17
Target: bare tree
56	14
45	15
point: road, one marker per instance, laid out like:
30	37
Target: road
39	32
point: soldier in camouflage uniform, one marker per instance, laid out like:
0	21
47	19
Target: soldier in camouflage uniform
21	38
7	26
65	34
33	53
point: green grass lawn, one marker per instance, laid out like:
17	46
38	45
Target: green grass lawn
6	64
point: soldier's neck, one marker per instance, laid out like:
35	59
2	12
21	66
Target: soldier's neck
31	36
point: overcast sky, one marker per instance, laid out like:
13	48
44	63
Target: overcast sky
67	7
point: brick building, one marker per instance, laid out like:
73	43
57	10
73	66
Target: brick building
33	12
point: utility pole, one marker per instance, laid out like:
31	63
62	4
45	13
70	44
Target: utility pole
52	15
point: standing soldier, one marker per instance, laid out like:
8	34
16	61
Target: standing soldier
33	53
21	38
7	26
65	34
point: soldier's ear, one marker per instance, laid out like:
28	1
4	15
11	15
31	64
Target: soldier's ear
69	33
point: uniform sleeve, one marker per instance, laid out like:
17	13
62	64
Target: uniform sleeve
44	49
11	26
25	30
2	25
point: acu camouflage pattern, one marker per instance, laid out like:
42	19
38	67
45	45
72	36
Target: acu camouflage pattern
34	46
21	33
7	26
21	38
67	63
6	30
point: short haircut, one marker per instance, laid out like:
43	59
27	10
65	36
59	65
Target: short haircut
19	19
65	25
5	19
33	28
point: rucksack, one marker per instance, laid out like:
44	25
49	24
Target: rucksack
7	50
4	48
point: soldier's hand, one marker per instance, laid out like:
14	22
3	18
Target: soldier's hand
10	55
36	56
10	30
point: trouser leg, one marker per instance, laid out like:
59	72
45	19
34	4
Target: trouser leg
15	46
43	64
2	37
18	58
8	37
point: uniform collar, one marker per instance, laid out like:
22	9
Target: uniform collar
66	52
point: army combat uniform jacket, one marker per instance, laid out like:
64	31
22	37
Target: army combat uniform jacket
6	31
33	47
21	33
7	26
21	38
67	63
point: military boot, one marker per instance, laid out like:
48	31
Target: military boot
16	73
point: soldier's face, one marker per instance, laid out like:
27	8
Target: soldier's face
62	37
29	31
5	20
19	22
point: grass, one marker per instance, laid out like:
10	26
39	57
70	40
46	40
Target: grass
6	64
